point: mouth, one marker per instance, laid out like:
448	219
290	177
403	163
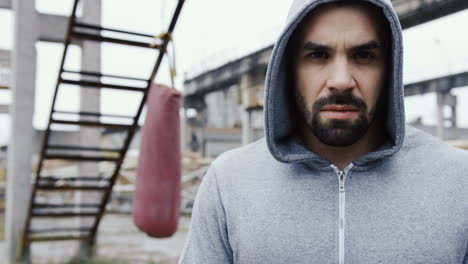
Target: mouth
339	111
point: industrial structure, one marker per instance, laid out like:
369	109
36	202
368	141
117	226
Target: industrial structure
67	204
228	100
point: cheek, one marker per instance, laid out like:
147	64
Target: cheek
308	85
371	84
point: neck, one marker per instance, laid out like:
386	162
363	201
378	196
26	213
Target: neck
342	156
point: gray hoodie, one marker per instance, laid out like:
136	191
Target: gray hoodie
274	201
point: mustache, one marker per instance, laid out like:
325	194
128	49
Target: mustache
339	99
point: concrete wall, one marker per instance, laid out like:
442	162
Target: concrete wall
224	109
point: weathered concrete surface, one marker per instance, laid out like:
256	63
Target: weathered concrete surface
437	85
23	61
5	4
415	12
90	102
118	239
5	58
52	28
4	109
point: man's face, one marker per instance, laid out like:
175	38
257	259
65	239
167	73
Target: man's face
339	66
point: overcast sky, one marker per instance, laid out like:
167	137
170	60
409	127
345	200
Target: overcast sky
212	32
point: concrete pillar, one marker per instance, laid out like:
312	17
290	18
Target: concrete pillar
440	117
5	4
446	99
453	110
247	133
4	109
5	69
246	127
90	102
18	189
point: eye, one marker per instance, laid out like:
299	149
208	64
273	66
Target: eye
317	55
364	56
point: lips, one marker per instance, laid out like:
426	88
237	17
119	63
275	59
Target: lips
340	111
340	108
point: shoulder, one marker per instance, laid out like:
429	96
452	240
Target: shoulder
249	155
426	147
248	165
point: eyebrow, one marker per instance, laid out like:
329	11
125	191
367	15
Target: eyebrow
315	46
367	46
364	46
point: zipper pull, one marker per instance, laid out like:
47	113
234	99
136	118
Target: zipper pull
341	176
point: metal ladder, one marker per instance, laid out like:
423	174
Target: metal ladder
77	31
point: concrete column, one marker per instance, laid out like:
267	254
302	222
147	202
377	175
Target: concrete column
20	150
203	117
90	102
451	101
4	109
246	127
445	99
247	134
440	117
453	118
5	4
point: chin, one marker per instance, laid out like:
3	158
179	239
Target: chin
339	132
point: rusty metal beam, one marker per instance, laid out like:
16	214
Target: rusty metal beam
56	238
90	84
91	124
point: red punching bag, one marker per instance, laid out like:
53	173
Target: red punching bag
157	196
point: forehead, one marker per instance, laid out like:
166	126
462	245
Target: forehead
331	22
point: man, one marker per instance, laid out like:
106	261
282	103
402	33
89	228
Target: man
339	177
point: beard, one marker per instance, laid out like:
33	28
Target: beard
336	132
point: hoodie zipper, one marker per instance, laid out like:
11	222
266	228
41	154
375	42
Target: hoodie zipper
342	212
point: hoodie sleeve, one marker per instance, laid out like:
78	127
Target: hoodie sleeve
207	241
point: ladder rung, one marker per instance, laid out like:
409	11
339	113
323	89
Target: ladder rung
64	147
103	85
96	27
79	157
59	206
81	113
50	187
94	37
52	178
98	74
56	230
92	124
56	238
66	214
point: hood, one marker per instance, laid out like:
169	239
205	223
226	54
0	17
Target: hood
283	144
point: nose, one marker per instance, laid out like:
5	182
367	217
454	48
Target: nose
341	78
